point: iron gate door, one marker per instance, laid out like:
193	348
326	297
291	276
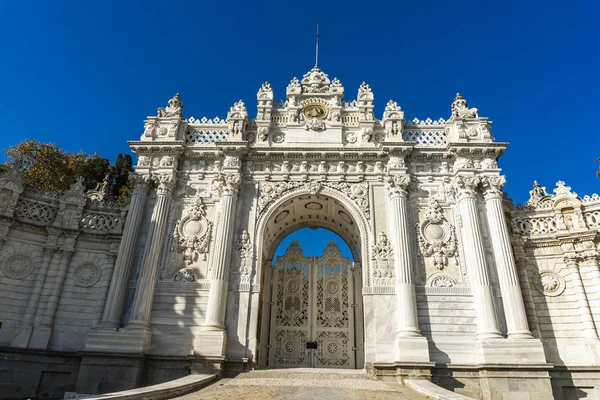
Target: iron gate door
312	314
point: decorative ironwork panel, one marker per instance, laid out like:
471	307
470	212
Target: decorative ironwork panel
312	316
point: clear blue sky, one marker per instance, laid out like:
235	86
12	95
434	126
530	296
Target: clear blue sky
85	74
313	243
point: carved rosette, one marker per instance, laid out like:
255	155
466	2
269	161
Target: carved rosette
192	232
18	266
227	185
186	274
440	280
383	262
549	283
86	275
396	185
241	269
436	236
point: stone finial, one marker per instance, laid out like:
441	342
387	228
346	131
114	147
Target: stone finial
460	108
365	92
174	108
392	106
100	192
562	190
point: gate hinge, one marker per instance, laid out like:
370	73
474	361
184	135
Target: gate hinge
353	305
271	303
354	349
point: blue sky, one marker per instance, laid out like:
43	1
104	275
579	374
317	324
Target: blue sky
85	74
313	243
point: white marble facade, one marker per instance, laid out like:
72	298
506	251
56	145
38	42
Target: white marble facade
450	281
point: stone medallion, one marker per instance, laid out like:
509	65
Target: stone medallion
18	266
87	275
549	283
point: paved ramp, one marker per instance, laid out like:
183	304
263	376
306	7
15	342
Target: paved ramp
304	384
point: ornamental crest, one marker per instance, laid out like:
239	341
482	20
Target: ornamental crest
192	232
436	236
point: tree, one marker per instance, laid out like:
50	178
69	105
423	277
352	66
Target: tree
47	167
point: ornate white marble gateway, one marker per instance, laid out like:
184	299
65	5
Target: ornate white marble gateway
450	281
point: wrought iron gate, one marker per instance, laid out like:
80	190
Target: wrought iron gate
312	313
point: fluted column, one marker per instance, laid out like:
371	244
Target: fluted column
585	314
512	299
113	308
487	324
227	188
146	285
528	297
38	285
406	303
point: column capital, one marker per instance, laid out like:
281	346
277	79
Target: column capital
140	182
465	186
226	185
164	183
572	260
397	185
492	186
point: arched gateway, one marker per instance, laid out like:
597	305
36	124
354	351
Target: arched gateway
182	278
419	203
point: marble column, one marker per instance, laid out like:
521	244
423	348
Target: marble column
146	284
512	299
487	324
409	344
406	303
113	308
227	189
212	340
587	321
528	297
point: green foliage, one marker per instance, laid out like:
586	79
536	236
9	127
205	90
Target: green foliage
3	168
47	167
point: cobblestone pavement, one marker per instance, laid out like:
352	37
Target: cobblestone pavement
309	385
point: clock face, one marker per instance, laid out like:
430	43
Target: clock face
315	111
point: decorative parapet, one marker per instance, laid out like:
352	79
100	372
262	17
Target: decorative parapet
562	212
70	210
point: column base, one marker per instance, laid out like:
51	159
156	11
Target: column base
593	351
40	338
23	337
411	349
103	373
126	340
508	351
210	343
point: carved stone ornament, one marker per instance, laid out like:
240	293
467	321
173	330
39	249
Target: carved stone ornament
396	185
87	275
315	125
242	267
383	265
549	283
279	137
351	137
357	192
174	108
192	232
315	81
186	274
538	197
460	108
18	266
226	184
440	280
436	236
